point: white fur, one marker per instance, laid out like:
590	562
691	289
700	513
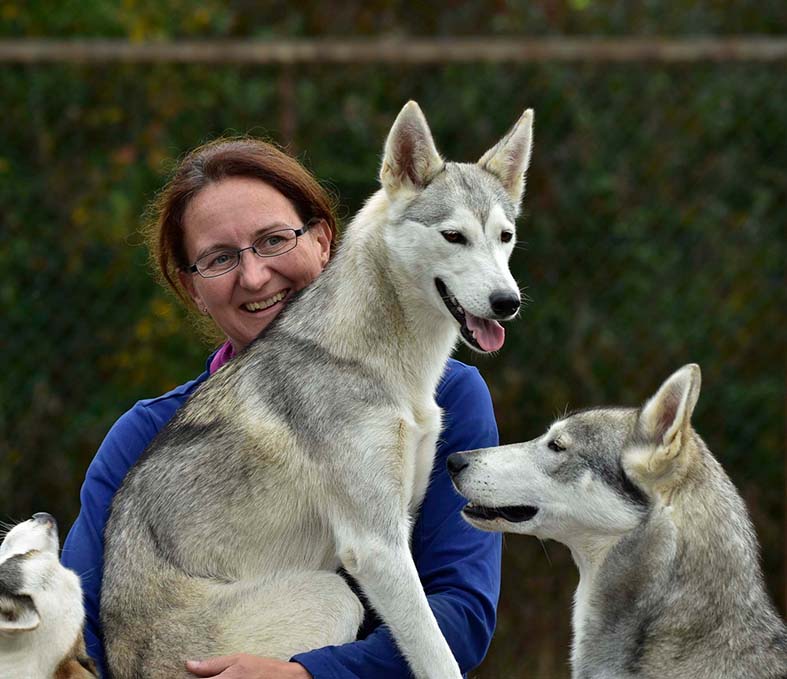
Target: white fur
35	653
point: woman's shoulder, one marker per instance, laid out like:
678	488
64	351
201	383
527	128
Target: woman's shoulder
460	381
160	409
135	429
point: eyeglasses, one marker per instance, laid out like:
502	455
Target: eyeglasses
270	244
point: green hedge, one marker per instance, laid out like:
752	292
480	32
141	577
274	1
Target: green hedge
652	236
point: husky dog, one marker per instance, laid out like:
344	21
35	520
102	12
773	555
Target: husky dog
669	579
312	449
41	613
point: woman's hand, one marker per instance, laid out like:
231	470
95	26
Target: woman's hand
243	666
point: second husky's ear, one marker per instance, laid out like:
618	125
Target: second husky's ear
510	157
18	613
411	159
664	424
669	412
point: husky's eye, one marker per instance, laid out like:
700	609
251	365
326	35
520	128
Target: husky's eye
454	237
554	444
506	236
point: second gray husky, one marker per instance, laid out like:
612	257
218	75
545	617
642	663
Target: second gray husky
313	448
670	584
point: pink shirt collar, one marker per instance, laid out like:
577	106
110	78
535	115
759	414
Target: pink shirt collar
224	354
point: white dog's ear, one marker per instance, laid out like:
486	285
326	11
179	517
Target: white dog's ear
18	613
663	429
509	159
411	159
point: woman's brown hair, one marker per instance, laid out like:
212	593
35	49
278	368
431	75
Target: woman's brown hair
216	160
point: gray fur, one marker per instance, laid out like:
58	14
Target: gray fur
670	581
310	450
460	184
11	576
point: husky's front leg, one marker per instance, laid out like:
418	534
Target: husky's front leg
373	547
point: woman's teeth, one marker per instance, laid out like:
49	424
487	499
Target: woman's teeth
265	303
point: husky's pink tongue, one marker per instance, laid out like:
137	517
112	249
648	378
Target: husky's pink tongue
490	335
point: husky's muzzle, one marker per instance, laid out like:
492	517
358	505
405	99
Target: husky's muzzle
457	463
482	334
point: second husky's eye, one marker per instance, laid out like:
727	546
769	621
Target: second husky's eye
454	237
554	444
506	236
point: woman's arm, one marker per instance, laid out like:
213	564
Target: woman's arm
83	550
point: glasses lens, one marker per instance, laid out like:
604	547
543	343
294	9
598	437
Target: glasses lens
217	263
275	243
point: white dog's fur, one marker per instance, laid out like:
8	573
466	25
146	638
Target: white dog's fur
41	612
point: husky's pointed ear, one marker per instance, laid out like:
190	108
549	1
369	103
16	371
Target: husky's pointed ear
509	159
411	159
18	613
668	413
664	423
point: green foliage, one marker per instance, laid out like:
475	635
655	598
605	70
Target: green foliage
652	234
151	19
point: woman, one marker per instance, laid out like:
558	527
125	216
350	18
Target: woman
241	228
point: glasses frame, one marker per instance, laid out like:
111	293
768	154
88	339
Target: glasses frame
192	268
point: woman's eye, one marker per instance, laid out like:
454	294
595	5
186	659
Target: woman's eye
273	241
506	236
454	237
220	259
554	445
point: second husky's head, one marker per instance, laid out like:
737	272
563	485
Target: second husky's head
452	225
593	475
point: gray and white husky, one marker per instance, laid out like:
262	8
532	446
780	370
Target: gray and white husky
669	579
41	612
312	449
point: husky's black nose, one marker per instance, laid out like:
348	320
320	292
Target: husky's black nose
504	303
456	462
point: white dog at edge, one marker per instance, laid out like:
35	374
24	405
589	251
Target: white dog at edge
41	613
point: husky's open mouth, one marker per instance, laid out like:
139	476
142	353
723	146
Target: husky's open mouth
510	514
482	334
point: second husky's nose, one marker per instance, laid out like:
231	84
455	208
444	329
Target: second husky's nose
504	303
456	462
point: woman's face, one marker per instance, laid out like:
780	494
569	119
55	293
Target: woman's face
233	213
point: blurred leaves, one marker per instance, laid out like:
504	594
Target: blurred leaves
652	233
150	19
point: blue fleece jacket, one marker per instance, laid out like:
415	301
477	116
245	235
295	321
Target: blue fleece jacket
458	565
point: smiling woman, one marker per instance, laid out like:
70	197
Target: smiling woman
228	197
224	227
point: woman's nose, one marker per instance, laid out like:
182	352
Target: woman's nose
254	270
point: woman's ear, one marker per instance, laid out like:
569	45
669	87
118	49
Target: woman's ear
187	281
324	236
